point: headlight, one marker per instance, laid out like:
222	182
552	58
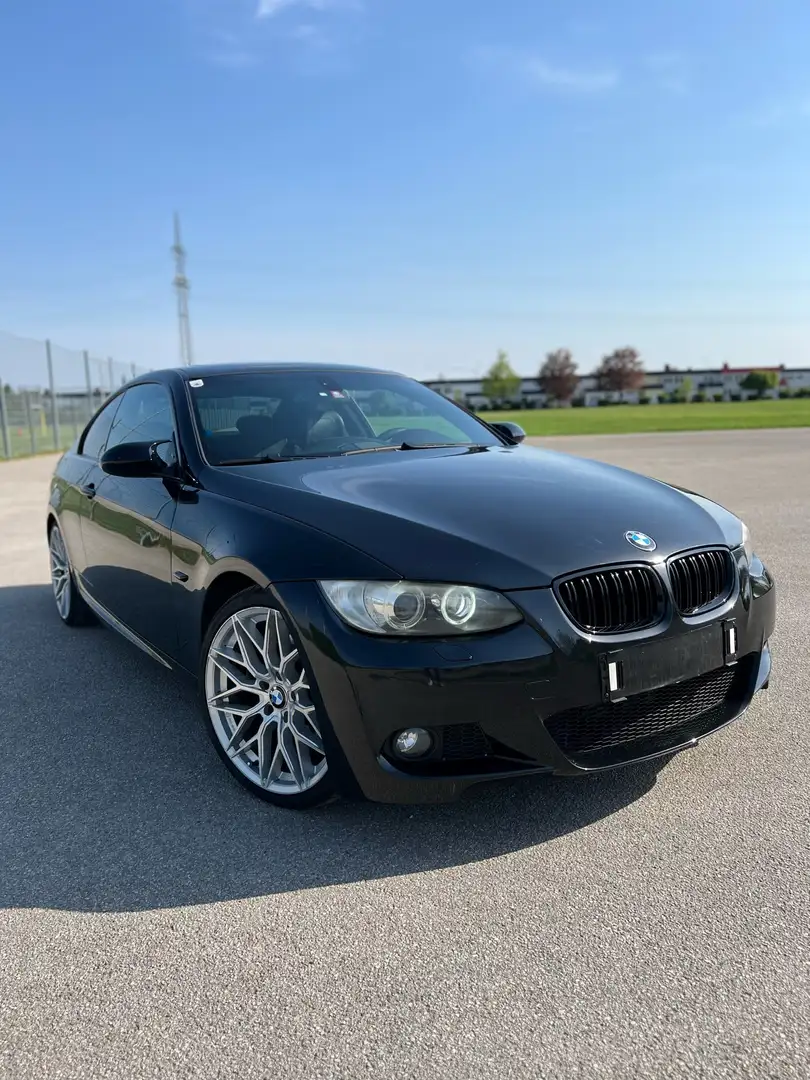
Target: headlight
746	542
415	609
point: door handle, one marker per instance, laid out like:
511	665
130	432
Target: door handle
89	490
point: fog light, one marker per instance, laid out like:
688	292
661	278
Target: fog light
413	743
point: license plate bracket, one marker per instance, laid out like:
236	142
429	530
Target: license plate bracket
663	662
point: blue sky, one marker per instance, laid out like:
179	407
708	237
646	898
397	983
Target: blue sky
407	182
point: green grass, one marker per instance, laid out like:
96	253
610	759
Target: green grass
624	419
431	423
608	420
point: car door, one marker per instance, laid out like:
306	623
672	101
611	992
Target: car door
127	535
79	474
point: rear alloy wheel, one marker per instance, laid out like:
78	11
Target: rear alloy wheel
69	603
259	704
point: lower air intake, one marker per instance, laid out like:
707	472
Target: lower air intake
464	742
653	722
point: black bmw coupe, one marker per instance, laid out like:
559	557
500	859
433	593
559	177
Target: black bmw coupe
381	595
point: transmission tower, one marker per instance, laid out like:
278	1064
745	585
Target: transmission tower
181	288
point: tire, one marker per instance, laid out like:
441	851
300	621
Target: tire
70	604
272	739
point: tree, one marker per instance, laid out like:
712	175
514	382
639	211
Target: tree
760	381
378	402
684	391
558	377
501	381
621	370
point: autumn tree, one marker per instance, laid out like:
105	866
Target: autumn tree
558	377
621	370
501	382
760	381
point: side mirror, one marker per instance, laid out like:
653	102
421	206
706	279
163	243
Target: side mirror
139	459
513	433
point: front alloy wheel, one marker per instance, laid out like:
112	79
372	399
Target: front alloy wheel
257	694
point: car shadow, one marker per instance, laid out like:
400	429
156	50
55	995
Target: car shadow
113	799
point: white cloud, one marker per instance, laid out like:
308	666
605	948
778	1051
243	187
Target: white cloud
312	36
536	72
268	9
569	80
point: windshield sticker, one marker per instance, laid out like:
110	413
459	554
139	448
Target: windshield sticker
196	383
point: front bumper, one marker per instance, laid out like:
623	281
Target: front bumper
527	700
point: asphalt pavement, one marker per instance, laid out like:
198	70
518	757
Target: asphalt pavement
158	921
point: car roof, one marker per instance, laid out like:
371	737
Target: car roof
202	371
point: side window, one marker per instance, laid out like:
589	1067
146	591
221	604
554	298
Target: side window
145	415
96	437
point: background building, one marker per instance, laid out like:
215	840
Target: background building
709	384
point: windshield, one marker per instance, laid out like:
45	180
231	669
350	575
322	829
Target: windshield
280	415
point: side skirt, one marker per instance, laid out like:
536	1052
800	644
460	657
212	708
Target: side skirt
116	624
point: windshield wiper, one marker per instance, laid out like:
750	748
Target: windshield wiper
368	450
441	446
348	453
267	460
413	446
253	461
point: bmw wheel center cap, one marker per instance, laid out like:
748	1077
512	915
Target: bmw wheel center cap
640	540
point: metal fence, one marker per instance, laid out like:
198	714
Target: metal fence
48	393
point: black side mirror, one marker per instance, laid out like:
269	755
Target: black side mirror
139	459
513	433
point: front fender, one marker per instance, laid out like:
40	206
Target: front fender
213	535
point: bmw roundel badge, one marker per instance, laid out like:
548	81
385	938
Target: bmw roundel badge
640	540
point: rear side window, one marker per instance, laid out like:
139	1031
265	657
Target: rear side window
145	415
96	438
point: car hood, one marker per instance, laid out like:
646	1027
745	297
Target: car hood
507	517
